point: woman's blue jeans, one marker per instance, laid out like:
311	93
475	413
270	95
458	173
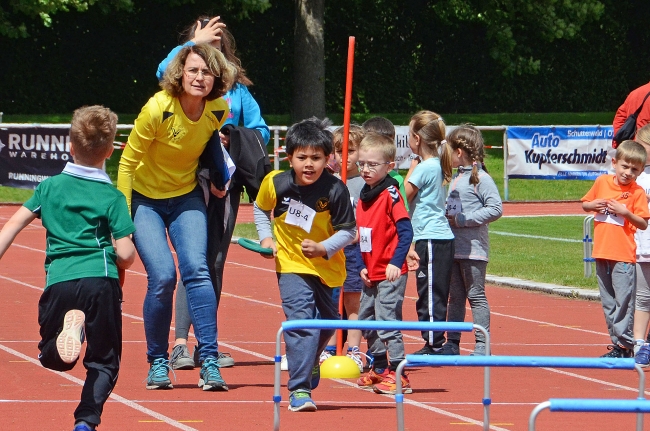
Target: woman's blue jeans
184	219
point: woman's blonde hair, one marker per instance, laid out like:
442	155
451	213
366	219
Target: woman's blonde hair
430	127
223	71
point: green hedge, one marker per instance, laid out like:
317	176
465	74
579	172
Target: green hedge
406	59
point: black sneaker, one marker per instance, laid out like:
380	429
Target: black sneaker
428	350
450	348
618	352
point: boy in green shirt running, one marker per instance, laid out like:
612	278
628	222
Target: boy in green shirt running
88	228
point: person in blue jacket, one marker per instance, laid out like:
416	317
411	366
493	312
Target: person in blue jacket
223	208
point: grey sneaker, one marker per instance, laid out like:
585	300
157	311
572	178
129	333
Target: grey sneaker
223	359
181	359
479	350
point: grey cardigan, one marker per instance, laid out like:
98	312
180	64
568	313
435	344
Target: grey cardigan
480	205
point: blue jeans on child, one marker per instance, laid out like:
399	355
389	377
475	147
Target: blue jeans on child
184	218
304	297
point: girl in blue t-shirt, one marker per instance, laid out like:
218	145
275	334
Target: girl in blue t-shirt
433	254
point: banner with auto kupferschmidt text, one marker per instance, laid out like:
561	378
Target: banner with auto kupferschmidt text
31	154
559	153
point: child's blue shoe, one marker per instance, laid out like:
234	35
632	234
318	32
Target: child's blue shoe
315	376
643	356
82	426
300	401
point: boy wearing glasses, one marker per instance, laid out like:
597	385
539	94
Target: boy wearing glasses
385	235
314	220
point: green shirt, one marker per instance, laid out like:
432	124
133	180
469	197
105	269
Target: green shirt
400	181
81	210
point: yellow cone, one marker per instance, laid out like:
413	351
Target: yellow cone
339	367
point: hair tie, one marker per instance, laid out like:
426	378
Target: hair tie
474	163
443	142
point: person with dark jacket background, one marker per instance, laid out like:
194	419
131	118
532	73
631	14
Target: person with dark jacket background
631	104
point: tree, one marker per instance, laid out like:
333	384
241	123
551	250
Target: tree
12	16
515	26
309	60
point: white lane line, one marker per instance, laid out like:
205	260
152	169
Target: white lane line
541	322
406	401
521	235
114	396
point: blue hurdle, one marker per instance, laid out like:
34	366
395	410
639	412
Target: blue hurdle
508	361
368	325
638	406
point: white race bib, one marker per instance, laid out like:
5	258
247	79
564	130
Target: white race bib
610	218
300	215
365	239
454	205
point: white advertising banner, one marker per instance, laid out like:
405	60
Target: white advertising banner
559	153
404	153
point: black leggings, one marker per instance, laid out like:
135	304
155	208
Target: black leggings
433	277
100	299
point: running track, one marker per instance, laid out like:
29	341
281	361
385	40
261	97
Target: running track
523	323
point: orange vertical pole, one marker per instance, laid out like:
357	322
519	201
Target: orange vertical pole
344	161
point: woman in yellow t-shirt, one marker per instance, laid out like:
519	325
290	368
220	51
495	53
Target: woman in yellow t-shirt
157	174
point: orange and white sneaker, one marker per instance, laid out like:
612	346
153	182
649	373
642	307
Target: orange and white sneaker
69	341
372	378
388	385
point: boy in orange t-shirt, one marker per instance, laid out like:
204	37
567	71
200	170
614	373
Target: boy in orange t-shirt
621	208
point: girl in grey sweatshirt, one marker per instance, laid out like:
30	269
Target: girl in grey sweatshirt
473	202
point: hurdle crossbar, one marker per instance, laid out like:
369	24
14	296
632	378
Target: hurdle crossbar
638	406
508	361
364	325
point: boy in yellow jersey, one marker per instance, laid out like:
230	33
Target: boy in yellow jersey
314	220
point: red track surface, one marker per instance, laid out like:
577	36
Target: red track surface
523	323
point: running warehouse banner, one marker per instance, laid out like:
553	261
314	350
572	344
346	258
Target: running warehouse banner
559	153
31	154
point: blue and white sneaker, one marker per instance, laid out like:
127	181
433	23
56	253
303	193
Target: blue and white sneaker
315	376
158	377
300	401
83	426
643	356
71	337
210	377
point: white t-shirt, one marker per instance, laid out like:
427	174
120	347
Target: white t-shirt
642	237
